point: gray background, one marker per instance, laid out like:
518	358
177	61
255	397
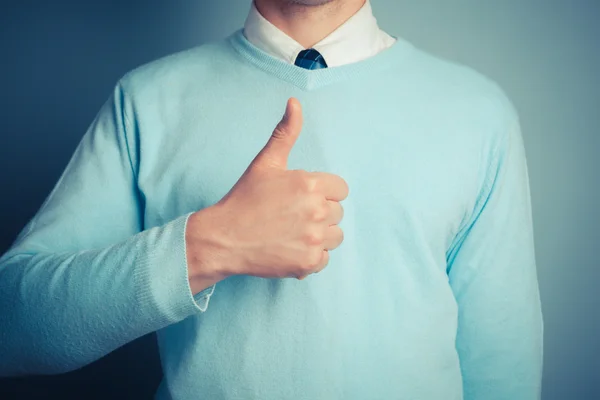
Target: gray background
60	60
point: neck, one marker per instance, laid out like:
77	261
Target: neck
308	21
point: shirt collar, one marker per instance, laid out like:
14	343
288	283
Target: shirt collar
356	39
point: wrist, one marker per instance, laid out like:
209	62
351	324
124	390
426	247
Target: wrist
205	250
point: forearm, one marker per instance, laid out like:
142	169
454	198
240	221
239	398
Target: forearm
61	311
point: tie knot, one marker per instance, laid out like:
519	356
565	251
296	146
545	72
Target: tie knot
310	59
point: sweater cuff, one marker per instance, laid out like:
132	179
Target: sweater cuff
162	282
202	298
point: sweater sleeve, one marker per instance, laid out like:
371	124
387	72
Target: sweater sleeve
492	273
82	278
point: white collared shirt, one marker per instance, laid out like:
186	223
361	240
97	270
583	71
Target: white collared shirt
356	39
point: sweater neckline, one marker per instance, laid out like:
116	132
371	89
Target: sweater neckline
309	80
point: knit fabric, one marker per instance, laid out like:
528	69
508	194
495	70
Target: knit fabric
433	293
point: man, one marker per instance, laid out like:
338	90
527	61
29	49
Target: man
176	196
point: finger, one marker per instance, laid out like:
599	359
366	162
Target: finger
323	263
320	266
334	236
276	151
336	212
332	186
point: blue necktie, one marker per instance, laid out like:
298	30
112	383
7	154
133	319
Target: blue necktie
310	59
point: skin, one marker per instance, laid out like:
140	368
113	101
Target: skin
308	21
273	223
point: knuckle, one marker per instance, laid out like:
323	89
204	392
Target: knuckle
340	235
304	269
341	208
313	260
347	192
323	264
336	238
314	237
325	259
280	131
309	183
346	189
320	210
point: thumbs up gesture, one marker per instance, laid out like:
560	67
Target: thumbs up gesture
275	222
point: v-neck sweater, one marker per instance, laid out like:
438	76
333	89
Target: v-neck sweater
433	293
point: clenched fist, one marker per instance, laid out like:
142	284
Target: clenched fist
275	222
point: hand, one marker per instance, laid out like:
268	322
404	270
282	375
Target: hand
276	222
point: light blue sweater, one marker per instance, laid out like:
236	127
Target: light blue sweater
432	295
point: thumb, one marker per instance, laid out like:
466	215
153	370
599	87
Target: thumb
277	150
